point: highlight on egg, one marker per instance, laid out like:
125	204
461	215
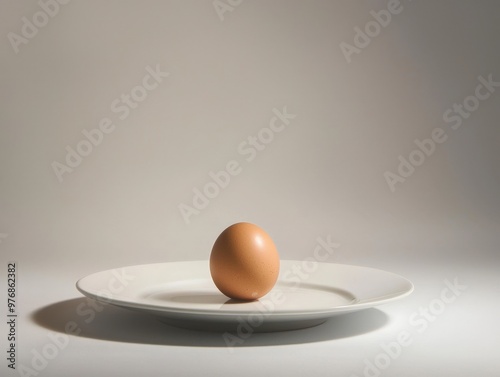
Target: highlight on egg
244	262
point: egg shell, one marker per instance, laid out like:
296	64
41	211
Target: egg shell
244	262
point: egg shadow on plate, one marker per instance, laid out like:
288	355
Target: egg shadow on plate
77	318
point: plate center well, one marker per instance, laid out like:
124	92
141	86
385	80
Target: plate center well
202	294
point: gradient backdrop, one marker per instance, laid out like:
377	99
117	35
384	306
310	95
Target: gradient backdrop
182	88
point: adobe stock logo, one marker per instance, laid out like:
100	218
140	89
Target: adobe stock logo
57	343
294	277
419	321
122	106
372	29
40	19
223	6
249	149
454	116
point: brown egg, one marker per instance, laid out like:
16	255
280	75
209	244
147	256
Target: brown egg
244	262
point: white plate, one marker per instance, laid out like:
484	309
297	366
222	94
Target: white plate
306	294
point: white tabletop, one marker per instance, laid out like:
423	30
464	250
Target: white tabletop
435	330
